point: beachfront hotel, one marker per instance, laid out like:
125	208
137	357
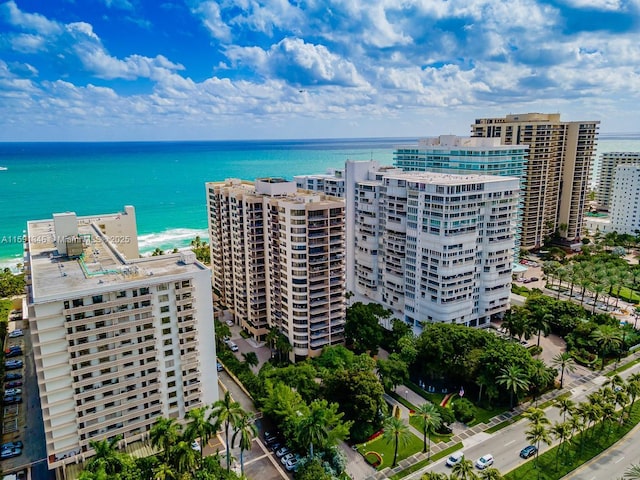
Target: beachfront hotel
609	161
118	340
466	155
278	260
432	247
557	172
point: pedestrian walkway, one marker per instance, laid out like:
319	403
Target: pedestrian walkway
477	433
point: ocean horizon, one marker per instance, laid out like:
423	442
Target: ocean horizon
165	180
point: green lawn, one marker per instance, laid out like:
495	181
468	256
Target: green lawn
415	423
596	441
385	449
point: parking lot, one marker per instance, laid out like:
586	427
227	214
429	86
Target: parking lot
22	429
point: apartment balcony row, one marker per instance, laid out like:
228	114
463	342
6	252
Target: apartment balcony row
118	302
107	316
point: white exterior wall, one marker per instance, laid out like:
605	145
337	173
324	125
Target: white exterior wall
625	198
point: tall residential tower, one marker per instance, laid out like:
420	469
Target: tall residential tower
118	341
557	174
278	260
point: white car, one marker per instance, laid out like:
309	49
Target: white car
454	459
195	445
484	461
233	346
12	391
16	333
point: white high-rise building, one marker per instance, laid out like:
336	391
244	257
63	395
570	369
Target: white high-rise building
625	200
118	340
432	247
278	260
607	172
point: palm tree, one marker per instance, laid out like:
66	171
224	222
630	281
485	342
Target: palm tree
563	361
311	430
164	433
565	405
251	359
226	411
491	474
106	457
514	380
199	427
430	421
434	476
633	472
464	470
606	339
397	431
536	416
633	389
283	347
184	458
538	433
245	432
540	376
164	471
560	430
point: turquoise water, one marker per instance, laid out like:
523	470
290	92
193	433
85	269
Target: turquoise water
163	180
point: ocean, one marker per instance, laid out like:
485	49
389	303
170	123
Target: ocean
164	181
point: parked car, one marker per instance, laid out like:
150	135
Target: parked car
13	364
11	400
8	445
484	461
16	333
10	453
229	323
13	376
14	384
195	445
286	458
282	451
275	446
528	452
233	346
10	392
292	464
219	366
534	279
13	353
12	348
454	459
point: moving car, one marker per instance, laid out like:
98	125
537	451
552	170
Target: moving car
484	461
528	452
16	333
454	459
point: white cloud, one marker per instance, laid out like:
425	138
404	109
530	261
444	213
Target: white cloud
29	21
209	12
612	5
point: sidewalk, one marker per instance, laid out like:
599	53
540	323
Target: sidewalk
477	434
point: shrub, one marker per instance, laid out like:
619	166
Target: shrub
464	410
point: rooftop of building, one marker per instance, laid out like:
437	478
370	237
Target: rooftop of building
449	178
99	267
476	144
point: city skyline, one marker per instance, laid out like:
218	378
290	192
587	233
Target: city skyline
109	70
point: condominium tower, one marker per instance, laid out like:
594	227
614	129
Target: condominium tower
557	173
278	260
118	340
625	200
432	247
466	155
607	172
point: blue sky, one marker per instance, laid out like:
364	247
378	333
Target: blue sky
254	69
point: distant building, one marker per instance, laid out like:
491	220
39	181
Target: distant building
625	200
606	174
118	340
278	260
330	183
557	172
466	155
432	247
